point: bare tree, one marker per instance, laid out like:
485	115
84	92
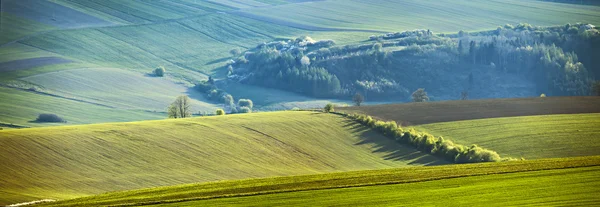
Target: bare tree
358	99
464	95
180	108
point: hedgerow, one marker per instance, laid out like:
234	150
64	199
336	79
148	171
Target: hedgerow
428	143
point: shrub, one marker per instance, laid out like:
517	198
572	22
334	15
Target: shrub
543	95
220	112
244	109
295	109
329	108
53	118
159	71
430	144
246	103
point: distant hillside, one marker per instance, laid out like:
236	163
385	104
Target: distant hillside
446	111
72	161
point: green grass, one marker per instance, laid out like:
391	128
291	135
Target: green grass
267	99
21	108
552	187
72	161
530	137
20	51
439	16
119	88
14	27
184	47
374	186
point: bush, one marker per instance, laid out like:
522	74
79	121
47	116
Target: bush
245	109
543	95
246	103
295	109
160	71
430	144
220	112
328	108
53	118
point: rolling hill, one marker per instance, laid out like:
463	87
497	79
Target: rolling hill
504	183
74	161
439	16
192	39
531	137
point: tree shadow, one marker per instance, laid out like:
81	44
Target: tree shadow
391	149
217	60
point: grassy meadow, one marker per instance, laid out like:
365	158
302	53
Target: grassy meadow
22	108
576	186
439	16
373	187
530	137
73	161
90	62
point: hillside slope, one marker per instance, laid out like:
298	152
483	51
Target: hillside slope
531	137
439	16
550	187
446	111
72	161
378	187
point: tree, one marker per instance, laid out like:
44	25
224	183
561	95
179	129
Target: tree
596	88
245	109
358	99
245	103
305	61
464	95
180	108
328	108
460	47
220	112
420	95
159	71
211	80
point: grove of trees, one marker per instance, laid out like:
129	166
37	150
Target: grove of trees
558	60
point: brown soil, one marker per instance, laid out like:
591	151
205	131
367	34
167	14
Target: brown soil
432	112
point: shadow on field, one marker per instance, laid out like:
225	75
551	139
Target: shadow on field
390	148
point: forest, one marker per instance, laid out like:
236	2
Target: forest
510	61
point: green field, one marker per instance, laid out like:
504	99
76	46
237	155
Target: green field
72	161
192	38
90	62
552	187
118	88
14	27
530	137
468	183
22	108
439	16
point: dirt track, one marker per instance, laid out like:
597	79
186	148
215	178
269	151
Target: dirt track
432	112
